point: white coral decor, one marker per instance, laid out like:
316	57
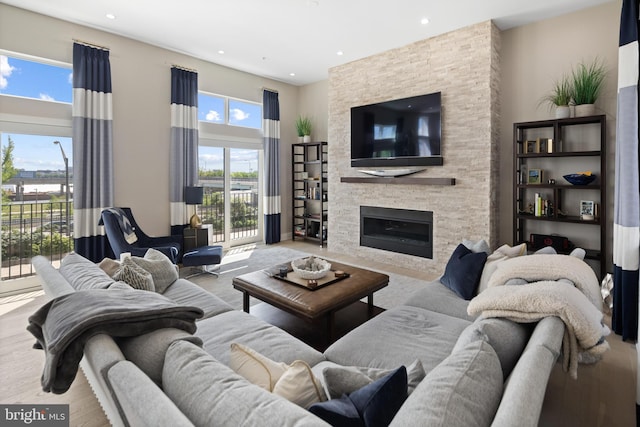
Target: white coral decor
311	267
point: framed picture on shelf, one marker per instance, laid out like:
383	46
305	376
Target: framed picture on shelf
534	176
542	145
530	147
587	210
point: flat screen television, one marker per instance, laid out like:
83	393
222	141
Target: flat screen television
402	132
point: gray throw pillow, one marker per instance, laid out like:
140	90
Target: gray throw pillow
133	275
162	270
339	380
507	338
464	390
83	274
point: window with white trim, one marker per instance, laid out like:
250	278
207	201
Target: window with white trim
229	111
46	81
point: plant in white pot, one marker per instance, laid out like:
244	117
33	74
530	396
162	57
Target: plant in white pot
303	127
587	81
560	97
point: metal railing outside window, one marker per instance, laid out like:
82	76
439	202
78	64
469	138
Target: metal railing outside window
243	204
34	228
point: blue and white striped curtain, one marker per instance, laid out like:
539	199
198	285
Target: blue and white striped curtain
272	209
626	226
92	149
183	162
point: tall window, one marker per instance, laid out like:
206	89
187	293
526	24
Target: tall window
37	196
232	202
36	218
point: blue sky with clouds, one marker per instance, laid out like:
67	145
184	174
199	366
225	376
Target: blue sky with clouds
53	83
35	152
35	80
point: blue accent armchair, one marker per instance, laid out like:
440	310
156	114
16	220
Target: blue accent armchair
169	245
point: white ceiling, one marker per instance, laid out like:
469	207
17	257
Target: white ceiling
274	38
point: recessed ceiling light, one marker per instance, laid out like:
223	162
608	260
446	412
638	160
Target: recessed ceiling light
313	3
292	74
339	53
424	21
111	16
221	52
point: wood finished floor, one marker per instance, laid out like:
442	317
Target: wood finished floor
602	396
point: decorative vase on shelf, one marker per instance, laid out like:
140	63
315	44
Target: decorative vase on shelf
306	138
562	111
583	110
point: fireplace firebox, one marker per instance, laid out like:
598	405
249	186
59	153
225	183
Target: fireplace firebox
397	230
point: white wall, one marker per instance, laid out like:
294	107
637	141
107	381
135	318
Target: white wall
141	98
313	101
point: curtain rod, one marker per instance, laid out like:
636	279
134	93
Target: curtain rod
269	89
97	46
184	68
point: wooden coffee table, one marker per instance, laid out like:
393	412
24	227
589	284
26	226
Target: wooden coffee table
313	305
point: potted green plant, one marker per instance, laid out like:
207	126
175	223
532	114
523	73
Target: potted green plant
303	127
587	81
560	96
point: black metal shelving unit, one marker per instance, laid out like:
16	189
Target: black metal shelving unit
580	140
310	190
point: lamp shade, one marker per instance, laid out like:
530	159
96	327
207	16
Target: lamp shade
193	195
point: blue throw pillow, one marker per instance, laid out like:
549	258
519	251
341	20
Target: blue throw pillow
374	405
338	412
463	271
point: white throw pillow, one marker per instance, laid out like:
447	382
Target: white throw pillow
256	368
294	382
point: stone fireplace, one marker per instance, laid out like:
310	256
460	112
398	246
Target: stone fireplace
464	66
403	231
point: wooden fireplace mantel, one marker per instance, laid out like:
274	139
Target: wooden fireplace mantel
398	180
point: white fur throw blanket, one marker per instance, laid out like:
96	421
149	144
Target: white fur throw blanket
534	268
550	291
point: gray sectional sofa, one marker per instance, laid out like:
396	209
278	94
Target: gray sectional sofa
478	371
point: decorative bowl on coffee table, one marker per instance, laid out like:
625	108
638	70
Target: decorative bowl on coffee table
310	268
